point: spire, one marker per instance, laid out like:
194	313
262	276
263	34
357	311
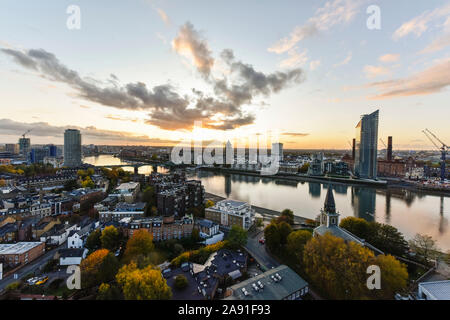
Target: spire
330	205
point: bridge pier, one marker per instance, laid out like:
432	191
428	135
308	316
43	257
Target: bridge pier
136	170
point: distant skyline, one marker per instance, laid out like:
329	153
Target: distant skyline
141	72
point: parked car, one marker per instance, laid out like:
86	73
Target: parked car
41	280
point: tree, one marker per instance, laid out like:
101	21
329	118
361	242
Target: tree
2	182
181	282
287	216
296	242
93	240
70	185
339	269
108	292
91	266
237	237
87	183
110	238
284	229
394	277
272	236
141	243
304	168
388	239
142	284
424	246
358	226
108	268
149	196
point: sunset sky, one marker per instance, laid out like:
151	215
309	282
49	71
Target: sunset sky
142	71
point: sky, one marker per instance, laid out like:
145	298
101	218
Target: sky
143	71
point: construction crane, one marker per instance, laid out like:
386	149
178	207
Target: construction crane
350	144
384	144
443	149
23	136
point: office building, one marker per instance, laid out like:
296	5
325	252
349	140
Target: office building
366	146
37	155
72	148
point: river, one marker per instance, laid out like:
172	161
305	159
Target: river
411	212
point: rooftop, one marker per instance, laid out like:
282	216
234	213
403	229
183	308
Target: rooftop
18	248
290	282
440	290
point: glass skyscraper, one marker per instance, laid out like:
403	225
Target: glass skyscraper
367	146
72	148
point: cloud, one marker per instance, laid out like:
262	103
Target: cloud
429	81
313	65
44	129
120	118
331	14
345	61
164	17
222	109
295	59
295	134
390	57
190	43
437	44
421	23
376	71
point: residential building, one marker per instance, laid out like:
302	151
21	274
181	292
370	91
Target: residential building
24	147
20	252
231	212
162	228
280	283
209	231
37	155
123	210
69	257
277	149
126	191
367	146
12	148
72	148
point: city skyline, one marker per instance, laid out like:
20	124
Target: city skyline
145	77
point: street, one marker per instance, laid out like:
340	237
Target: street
258	251
30	268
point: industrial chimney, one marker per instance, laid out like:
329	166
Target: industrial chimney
389	149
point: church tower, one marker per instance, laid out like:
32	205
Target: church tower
328	215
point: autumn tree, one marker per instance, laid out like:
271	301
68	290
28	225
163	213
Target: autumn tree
90	267
209	203
143	284
108	292
358	226
339	269
110	238
237	237
140	243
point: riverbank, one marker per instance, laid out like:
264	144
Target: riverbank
267	214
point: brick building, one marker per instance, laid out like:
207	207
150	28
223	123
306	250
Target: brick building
21	252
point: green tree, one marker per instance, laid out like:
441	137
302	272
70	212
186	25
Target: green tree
358	226
93	241
181	282
237	237
108	268
110	238
287	216
296	242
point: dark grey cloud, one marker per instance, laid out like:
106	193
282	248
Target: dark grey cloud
43	129
168	109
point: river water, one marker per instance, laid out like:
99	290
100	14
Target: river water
410	212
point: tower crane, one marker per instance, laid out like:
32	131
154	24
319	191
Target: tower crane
28	131
443	149
384	144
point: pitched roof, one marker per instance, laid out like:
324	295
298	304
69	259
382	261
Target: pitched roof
330	205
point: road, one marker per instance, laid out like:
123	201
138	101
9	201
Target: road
258	251
31	267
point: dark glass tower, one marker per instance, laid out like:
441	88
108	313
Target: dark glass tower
367	146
